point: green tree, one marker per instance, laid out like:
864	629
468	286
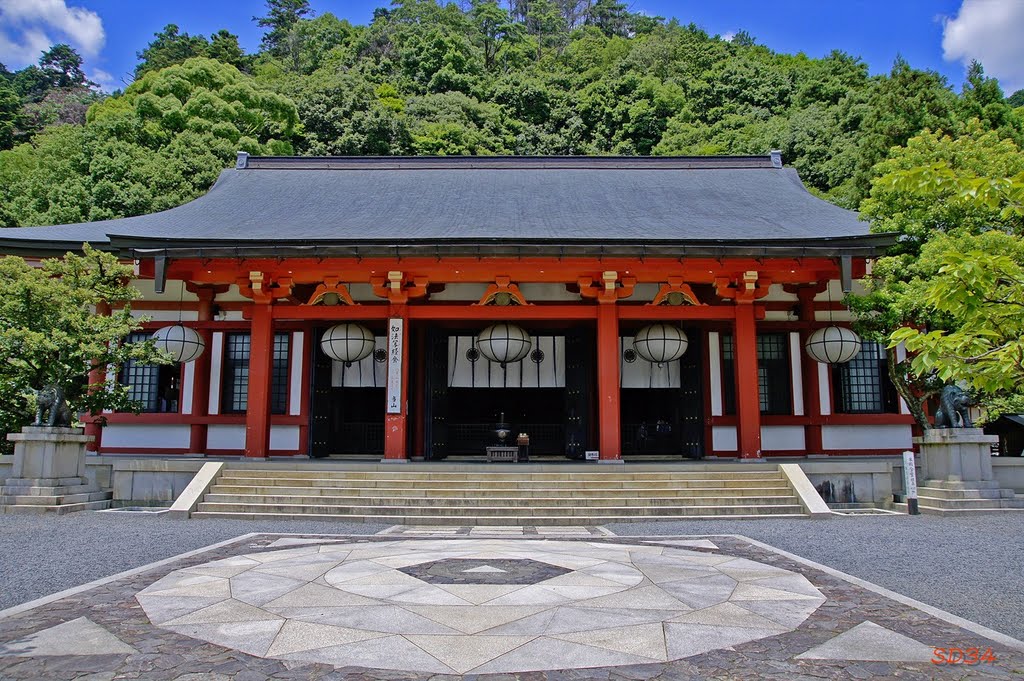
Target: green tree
63	67
161	143
51	336
921	210
281	18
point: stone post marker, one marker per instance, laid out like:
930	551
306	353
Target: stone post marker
49	473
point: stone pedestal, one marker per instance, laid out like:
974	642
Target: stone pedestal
49	473
956	469
956	454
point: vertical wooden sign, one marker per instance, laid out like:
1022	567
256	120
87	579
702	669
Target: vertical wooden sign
395	365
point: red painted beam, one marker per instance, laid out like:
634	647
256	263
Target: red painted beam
748	405
261	352
608	393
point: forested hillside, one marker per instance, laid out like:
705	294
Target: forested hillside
519	77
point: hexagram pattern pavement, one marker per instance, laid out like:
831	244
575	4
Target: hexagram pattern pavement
544	604
571	608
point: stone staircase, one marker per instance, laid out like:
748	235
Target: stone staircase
487	495
943	497
33	496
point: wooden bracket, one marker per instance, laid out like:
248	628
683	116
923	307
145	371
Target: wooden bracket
206	291
747	288
398	288
502	292
262	289
331	287
609	290
675	292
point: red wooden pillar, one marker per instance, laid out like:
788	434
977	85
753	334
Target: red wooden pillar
261	354
97	375
809	371
748	404
608	411
201	375
395	418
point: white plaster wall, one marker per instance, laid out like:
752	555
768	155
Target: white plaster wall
777	293
547	292
796	369
216	351
895	436
715	362
460	292
174	290
166	315
187	384
145	436
224	436
284	437
777	438
723	438
298	354
824	394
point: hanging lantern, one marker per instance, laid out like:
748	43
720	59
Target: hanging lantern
660	343
832	345
504	343
182	343
347	342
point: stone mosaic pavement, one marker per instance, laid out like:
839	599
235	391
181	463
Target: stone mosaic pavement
499	605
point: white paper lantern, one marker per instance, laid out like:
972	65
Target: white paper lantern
504	343
182	343
660	343
832	345
347	342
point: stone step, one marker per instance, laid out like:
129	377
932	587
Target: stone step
62	509
510	475
944	493
952	504
421	492
237	481
959	485
54	500
470	502
525	512
470	520
35	490
952	512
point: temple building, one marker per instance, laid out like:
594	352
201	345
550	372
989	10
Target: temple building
402	307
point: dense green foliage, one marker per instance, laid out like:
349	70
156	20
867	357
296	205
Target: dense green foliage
948	286
539	77
526	77
50	336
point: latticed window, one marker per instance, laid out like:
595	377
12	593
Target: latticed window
862	385
235	390
773	374
155	386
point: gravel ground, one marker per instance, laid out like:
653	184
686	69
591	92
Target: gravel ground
972	567
40	555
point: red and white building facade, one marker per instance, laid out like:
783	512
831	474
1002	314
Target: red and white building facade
580	254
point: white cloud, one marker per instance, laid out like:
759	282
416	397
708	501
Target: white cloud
990	32
728	36
106	81
29	27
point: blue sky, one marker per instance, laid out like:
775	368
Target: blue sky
937	34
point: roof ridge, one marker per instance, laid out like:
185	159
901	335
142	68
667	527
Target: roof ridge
247	162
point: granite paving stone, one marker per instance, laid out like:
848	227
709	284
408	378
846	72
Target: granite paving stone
314	631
